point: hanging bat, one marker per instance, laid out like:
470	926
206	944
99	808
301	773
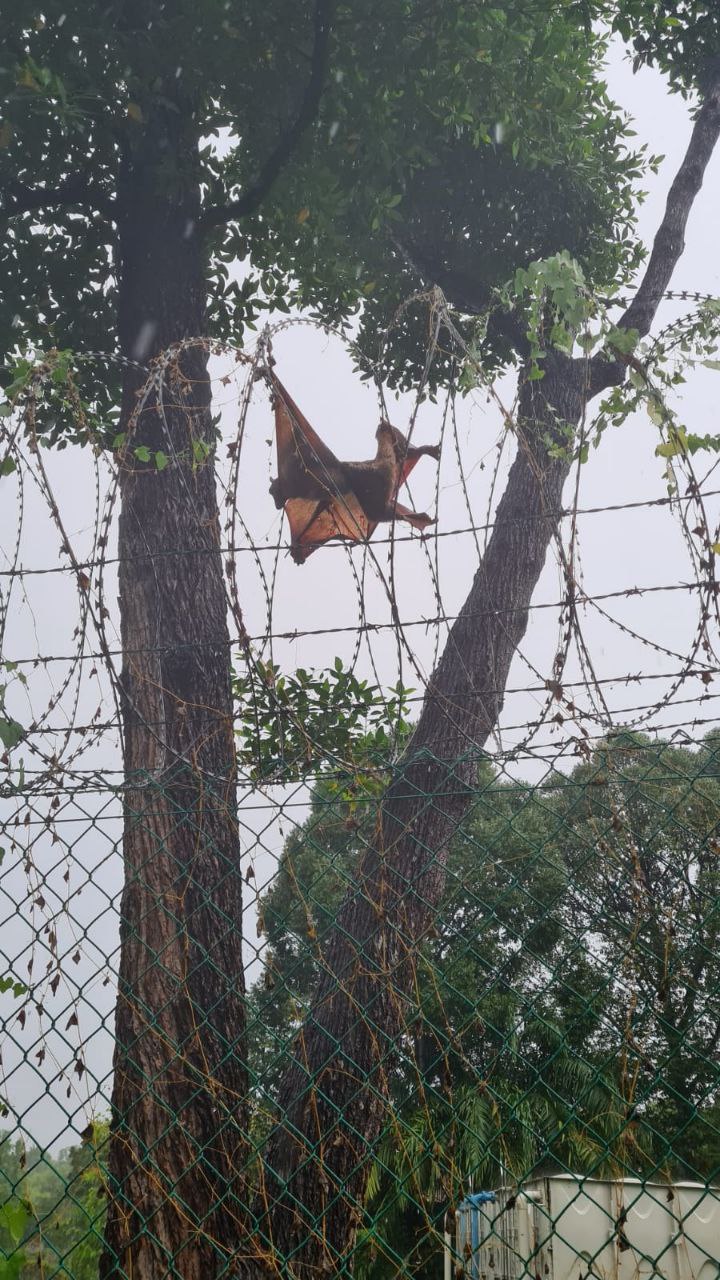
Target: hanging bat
325	498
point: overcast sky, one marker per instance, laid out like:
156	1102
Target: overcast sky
618	550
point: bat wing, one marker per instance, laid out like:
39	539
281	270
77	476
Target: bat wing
414	454
313	523
407	467
307	468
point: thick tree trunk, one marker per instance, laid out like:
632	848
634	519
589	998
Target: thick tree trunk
333	1099
178	1124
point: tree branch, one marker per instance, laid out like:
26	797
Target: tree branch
289	139
19	198
670	238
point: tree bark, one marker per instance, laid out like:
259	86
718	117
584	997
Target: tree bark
179	1096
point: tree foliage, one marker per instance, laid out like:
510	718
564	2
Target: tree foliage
53	1208
480	135
291	724
568	1002
681	37
497	145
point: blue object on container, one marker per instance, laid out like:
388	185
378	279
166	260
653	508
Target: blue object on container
469	1208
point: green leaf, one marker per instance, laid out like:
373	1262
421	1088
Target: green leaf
7	466
623	340
14	1217
142	453
11	1268
161	460
677	443
11	732
656	411
12	984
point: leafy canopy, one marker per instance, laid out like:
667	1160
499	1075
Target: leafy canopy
567	997
479	135
681	37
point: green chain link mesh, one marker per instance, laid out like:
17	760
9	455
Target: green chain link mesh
561	1051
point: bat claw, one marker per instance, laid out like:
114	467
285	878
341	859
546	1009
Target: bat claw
300	554
422	520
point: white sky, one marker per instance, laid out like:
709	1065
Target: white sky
618	550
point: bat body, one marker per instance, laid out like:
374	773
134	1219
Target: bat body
325	498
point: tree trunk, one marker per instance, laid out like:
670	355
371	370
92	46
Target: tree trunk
179	1095
333	1098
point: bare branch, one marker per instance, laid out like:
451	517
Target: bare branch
291	136
670	238
19	198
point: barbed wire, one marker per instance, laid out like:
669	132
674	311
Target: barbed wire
63	785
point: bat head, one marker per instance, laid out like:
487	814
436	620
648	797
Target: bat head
390	439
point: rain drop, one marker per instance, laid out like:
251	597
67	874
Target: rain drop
141	347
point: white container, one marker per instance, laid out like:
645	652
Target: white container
570	1228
